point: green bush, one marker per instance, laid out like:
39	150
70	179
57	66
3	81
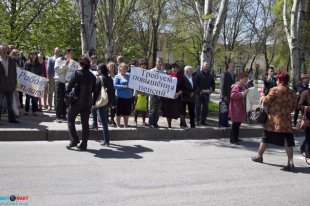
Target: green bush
213	107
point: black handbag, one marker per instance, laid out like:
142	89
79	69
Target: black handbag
259	115
73	95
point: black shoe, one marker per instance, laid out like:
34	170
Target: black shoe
64	119
58	120
203	123
94	128
183	125
235	143
106	144
193	126
257	159
14	121
82	147
290	167
72	144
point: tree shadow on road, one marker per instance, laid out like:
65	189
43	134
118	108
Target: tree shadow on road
120	152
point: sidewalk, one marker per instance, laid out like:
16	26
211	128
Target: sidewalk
44	128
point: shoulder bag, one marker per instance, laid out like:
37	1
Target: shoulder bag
103	98
259	115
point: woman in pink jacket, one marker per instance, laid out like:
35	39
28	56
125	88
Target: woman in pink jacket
237	111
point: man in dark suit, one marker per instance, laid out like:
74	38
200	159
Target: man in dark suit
188	96
8	80
228	80
205	87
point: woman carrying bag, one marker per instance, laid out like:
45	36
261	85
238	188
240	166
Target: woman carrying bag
281	101
237	111
104	81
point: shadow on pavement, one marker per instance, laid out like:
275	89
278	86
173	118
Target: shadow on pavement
120	152
305	170
252	145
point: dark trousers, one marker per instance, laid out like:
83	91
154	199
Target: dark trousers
191	111
296	113
20	97
34	103
60	89
9	100
112	112
73	112
305	147
234	133
155	110
201	115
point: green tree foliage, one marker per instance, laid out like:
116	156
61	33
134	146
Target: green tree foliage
40	24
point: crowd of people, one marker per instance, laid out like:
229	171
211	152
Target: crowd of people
193	92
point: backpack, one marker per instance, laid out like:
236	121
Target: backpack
103	98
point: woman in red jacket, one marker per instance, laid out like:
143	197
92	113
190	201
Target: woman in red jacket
237	110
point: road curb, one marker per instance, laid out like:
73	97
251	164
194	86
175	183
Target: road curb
129	134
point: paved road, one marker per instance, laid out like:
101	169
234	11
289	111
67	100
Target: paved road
187	172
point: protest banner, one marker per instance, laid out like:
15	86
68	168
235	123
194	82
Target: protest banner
153	83
72	67
30	83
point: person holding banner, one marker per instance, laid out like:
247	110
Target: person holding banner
61	68
172	107
155	102
85	81
7	82
123	95
51	80
34	67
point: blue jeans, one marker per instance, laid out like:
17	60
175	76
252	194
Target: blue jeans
103	114
94	111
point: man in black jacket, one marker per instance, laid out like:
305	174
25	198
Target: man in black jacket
228	80
8	80
301	86
85	82
205	86
270	81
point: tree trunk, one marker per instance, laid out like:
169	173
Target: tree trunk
88	26
294	35
155	43
212	28
109	19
